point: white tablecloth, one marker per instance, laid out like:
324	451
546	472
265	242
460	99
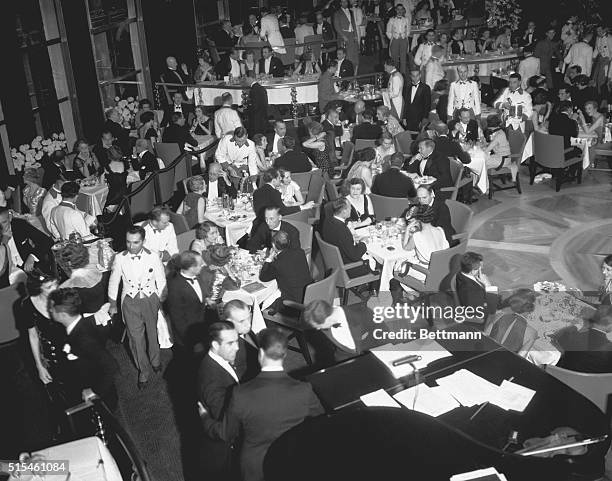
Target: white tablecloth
212	95
89	460
92	199
234	228
387	258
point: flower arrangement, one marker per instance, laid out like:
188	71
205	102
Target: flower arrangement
503	12
29	155
127	109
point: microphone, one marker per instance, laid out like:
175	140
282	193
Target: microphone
406	360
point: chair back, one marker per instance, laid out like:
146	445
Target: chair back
303	180
305	231
361	144
441	266
333	260
179	222
460	214
387	207
300	216
517	140
331	191
288	57
403	141
184	239
165	186
316	187
324	290
182	170
315	48
548	150
348	150
595	387
167	152
8	326
142	202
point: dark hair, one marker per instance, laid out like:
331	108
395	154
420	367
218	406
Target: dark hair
582	80
461	110
355	181
273	342
72	255
273	207
332	63
35	280
339	205
70	190
366	155
66	300
493	121
226	97
187	259
528	49
240	132
60	155
143	102
515	76
176	116
204	228
603	316
269	175
234	304
288	142
521	301
539	96
280	240
565	87
565	106
390	62
257	138
441	85
577	68
215	329
367	115
608	260
429	30
385	136
469	260
158	211
396	160
136	229
147	116
316	312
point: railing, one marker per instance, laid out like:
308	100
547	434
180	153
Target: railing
124	205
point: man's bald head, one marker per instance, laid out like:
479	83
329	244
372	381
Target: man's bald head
359	106
462	71
171	62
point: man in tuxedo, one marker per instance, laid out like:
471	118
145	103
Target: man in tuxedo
144	161
218	183
264	408
241	316
172	75
224	38
418	101
368	129
465	129
432	163
288	265
268	196
340	332
54	169
216	379
590	349
27	246
292	160
393	182
178	133
230	64
275	139
106	150
345	66
563	124
89	364
529	38
442	218
178	106
185	304
113	125
471	285
346	29
262	238
447	146
269	64
322	27
258	108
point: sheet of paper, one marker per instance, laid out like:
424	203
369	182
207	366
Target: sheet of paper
513	396
428	350
433	401
488	474
379	398
468	388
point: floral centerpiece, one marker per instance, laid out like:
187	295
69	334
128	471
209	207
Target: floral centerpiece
128	108
503	12
29	155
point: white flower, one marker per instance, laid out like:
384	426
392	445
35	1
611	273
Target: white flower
13	152
62	136
54	136
39	155
130	99
122	103
46	142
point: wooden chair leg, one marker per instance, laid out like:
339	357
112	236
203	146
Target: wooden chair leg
518	183
532	169
345	295
558	176
299	337
579	174
490	187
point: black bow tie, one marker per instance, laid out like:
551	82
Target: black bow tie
136	257
157	231
336	325
191	280
462	82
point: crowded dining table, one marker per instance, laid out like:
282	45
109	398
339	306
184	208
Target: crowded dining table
235	221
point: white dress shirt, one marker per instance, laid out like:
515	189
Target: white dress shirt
341	332
398	27
396	86
226	121
413	91
49	203
528	67
66	219
423	53
72	325
338	67
581	54
463	94
267	62
224	364
213	190
178	108
160	241
235	71
275	143
228	152
142	275
195	285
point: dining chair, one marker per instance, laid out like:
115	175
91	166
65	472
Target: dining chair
143	201
167	152
388	207
184	239
361	144
179	222
333	261
597	388
549	155
517	141
164	185
403	142
305	231
303	180
456	171
461	218
324	289
348	150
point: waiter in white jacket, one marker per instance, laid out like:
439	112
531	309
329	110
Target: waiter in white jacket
515	103
395	88
463	94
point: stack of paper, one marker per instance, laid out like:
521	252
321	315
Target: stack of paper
488	474
433	401
379	398
470	390
428	350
